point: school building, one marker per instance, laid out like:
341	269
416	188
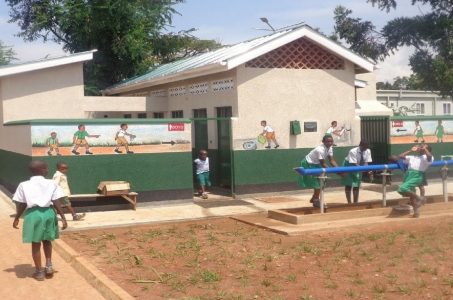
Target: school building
296	79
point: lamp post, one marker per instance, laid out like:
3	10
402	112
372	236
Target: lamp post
266	21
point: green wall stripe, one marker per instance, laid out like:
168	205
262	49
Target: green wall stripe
14	167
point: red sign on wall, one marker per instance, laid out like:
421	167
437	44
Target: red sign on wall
399	123
175	126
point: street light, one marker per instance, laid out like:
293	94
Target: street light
266	21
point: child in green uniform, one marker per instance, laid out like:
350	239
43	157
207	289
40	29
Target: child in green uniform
317	159
440	132
80	139
358	156
418	132
37	197
416	167
53	143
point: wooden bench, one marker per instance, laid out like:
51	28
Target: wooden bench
130	197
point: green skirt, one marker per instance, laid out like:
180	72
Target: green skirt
40	224
412	179
351	179
308	181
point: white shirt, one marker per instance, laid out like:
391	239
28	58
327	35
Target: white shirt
330	130
38	191
267	128
62	181
320	152
418	163
202	165
355	156
122	133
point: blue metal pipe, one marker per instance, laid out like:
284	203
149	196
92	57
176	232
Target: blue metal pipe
351	169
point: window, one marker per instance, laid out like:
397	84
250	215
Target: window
447	108
177	114
224	112
127	116
158	115
420	108
200	113
141	115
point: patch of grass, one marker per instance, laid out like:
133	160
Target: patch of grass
209	276
403	290
448	281
379	288
266	282
350	293
291	277
357	280
331	285
306	297
307	248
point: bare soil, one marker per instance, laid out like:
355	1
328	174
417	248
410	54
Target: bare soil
226	259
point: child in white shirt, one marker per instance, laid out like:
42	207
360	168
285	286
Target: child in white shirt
202	172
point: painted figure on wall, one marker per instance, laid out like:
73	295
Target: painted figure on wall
439	133
121	139
418	132
53	144
269	134
79	139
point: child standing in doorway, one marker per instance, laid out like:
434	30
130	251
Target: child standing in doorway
269	134
61	179
202	172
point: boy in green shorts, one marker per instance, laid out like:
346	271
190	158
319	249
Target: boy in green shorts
202	172
80	139
416	167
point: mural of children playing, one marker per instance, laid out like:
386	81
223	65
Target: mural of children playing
333	130
440	132
53	143
80	139
121	140
269	134
418	132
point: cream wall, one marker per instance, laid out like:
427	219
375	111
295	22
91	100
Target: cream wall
368	92
282	95
53	93
15	138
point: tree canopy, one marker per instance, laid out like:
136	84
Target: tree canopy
430	33
127	33
6	54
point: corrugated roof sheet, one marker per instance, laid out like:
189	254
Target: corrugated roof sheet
219	57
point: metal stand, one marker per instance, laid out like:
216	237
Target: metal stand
322	184
384	175
444	175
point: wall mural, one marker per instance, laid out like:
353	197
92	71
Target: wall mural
92	139
428	131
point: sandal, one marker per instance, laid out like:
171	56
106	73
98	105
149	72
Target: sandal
39	275
78	217
49	271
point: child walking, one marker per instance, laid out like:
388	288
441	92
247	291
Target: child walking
416	168
317	159
37	197
80	139
61	179
358	156
202	172
269	134
121	140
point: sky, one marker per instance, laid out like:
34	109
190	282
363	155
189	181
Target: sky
233	21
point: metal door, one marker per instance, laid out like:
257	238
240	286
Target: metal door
376	130
224	145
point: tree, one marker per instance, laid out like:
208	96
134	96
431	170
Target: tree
400	83
127	33
430	33
6	54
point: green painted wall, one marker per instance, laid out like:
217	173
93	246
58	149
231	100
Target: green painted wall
145	172
273	166
13	168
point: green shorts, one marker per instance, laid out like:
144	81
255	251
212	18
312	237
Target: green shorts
308	181
203	179
40	224
412	179
64	201
353	178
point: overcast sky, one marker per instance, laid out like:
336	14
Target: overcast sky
232	21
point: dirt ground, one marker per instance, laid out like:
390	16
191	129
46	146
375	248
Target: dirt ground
42	151
226	259
410	139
